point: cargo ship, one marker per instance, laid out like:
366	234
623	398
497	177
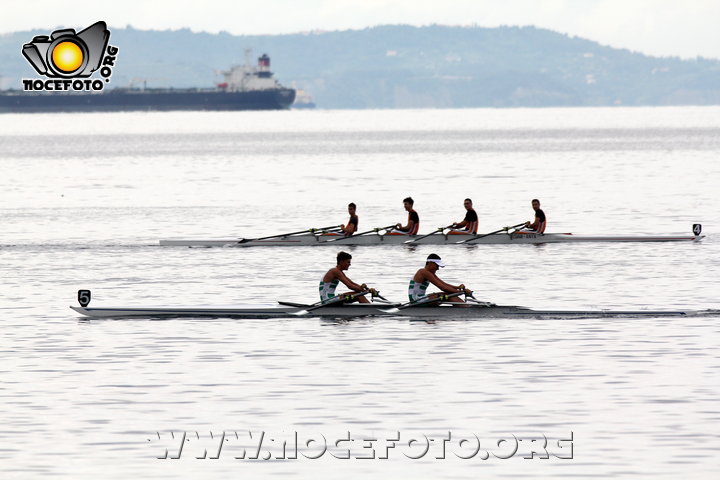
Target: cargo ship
245	87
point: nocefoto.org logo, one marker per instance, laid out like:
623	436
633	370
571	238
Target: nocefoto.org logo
69	58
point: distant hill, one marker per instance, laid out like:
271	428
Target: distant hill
410	67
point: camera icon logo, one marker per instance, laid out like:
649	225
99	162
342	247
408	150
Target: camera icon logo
67	54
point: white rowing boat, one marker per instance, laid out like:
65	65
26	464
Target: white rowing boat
507	238
289	310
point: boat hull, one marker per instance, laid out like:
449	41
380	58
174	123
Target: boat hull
437	239
446	312
144	100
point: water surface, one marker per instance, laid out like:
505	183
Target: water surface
85	198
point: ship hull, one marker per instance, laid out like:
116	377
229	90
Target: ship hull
170	100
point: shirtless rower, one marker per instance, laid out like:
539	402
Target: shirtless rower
539	224
352	225
469	223
413	222
427	275
335	275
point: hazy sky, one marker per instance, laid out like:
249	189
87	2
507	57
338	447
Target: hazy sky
686	28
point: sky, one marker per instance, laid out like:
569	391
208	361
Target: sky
684	28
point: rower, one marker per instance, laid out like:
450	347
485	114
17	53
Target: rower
427	275
335	275
352	225
469	225
540	222
413	221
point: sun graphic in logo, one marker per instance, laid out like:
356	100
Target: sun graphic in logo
67	56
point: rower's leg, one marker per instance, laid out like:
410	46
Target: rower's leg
362	300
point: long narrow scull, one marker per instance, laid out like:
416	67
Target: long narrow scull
510	238
285	310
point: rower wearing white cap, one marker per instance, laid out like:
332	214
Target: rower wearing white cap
426	275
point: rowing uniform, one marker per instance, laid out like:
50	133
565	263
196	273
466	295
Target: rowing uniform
542	222
353	221
471	226
416	290
327	289
412	216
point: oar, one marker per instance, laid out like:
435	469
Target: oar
439	230
322	231
309	230
478	237
338	299
374	230
423	301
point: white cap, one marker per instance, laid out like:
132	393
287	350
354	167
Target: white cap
436	261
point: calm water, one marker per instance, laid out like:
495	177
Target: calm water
85	198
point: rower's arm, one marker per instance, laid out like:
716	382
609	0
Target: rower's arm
406	228
349	283
462	224
534	225
444	286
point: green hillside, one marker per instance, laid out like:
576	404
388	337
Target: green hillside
410	67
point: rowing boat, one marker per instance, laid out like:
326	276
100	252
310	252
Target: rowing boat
289	310
509	238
